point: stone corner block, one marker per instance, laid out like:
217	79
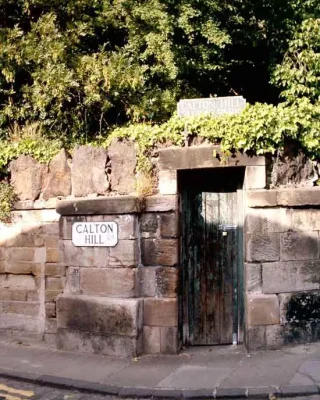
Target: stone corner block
255	177
159	252
168	182
263	247
160	312
100	315
263	309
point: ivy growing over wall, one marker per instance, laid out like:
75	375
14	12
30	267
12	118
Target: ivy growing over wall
260	128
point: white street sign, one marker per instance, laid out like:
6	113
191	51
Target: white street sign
94	234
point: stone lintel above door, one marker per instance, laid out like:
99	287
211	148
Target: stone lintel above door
173	159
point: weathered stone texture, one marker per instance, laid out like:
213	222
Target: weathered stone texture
253	278
89	171
52	255
17	282
55	270
168	340
151	339
58	181
255	177
263	247
20	254
73	280
54	283
298	197
101	206
27	177
111	345
291	276
168	225
176	158
159	252
267	220
167	282
289	169
148	284
19	322
149	225
160	312
100	315
20	307
124	254
123	158
112	282
22	268
83	256
32	239
161	203
261	198
262	309
158	281
306	219
299	246
168	182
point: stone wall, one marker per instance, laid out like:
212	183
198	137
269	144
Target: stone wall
124	300
31	276
121	300
282	267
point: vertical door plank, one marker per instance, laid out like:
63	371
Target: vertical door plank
199	273
213	290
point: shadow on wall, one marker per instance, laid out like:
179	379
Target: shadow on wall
282	276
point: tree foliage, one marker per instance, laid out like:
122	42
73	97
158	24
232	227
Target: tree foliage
79	67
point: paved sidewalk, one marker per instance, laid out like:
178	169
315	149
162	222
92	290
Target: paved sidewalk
203	372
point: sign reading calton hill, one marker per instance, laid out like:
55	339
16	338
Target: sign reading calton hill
94	234
211	105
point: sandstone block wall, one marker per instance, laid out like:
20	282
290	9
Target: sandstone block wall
124	300
120	300
31	276
282	268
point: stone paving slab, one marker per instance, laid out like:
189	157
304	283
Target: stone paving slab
221	372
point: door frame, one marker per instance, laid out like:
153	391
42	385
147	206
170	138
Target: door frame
238	284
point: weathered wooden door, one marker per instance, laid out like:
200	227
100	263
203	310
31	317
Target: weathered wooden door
210	260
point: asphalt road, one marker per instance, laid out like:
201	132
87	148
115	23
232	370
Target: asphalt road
17	390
